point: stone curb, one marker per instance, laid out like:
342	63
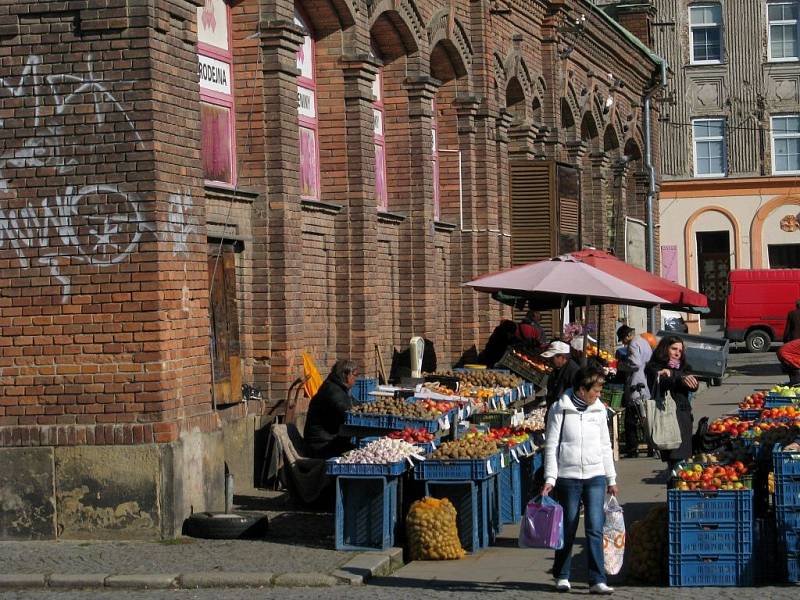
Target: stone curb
357	571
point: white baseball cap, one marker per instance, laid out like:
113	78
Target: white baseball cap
556	348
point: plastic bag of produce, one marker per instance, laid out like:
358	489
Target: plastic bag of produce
431	530
613	536
542	524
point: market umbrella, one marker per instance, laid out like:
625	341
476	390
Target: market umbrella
551	283
677	297
548	283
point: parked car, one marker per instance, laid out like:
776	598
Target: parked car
673	321
757	305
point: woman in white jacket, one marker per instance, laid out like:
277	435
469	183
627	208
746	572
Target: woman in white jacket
579	463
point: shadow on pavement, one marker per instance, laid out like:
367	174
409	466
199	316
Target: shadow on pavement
461	586
754	370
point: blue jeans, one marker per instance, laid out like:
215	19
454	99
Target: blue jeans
570	492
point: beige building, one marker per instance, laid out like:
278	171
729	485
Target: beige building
730	130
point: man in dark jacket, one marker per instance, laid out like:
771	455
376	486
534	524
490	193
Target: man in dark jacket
326	412
564	371
792	331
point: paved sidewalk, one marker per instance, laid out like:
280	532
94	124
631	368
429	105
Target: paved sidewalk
298	552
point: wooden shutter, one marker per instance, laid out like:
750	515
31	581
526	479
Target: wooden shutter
568	206
225	346
532	215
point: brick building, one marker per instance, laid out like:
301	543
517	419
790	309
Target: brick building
193	192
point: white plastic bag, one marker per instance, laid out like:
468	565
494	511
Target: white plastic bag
613	536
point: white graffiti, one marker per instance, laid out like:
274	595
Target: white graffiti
180	223
100	224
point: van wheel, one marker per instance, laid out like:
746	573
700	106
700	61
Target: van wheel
757	341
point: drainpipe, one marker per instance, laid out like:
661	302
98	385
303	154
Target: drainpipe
651	191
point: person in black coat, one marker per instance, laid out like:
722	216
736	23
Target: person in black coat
564	371
326	412
667	371
792	330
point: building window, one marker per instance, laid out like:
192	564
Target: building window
307	113
705	25
783	30
784	256
217	123
435	159
709	147
379	135
786	144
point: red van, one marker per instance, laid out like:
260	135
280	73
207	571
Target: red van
757	305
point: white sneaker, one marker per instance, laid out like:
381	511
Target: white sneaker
562	585
601	588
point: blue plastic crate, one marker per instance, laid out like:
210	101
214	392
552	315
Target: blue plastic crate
366	420
710	539
793	568
702	507
358	469
790	540
471	501
366	512
749	414
785	463
361	389
710	571
787	490
771	401
787	517
509	488
493	514
458	470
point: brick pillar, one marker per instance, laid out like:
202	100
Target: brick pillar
359	73
486	224
522	141
618	209
577	151
465	311
281	221
503	242
417	245
598	206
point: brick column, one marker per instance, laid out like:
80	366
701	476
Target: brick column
618	209
359	73
487	222
599	201
417	243
465	310
503	242
577	151
281	219
522	141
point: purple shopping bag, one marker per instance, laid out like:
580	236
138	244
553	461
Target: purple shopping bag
542	524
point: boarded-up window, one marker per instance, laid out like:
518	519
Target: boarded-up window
225	347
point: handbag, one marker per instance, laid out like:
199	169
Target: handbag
613	536
542	525
662	420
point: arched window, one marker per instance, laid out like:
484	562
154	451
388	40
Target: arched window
379	135
215	59
307	113
435	158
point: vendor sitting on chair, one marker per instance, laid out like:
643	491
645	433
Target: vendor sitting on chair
326	412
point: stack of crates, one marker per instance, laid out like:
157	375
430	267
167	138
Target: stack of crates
710	538
787	508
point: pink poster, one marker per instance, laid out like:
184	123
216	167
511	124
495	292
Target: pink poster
381	195
669	263
309	186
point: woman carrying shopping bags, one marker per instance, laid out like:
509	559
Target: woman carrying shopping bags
580	465
668	374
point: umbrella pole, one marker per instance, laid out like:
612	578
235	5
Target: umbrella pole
585	333
599	331
560	331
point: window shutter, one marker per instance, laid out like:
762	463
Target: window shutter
225	346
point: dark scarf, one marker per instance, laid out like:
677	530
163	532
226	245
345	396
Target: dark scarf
580	405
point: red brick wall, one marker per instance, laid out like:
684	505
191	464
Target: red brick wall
104	319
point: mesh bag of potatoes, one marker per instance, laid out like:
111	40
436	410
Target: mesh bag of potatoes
431	530
647	547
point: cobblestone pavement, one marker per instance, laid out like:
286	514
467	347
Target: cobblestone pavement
299	541
379	591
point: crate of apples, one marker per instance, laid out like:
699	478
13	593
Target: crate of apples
412	436
753	401
511	436
711	477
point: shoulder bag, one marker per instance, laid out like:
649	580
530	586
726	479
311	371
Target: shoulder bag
662	419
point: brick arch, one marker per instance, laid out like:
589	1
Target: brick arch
499	70
447	32
589	129
757	226
328	16
406	20
569	101
687	237
610	138
515	66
